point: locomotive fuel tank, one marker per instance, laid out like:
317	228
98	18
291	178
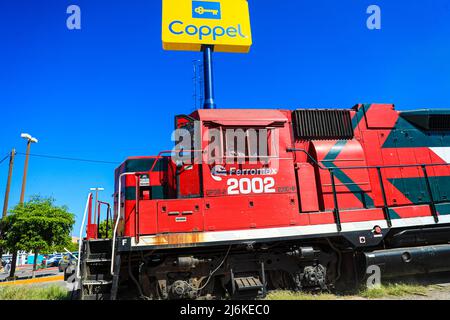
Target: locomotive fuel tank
410	261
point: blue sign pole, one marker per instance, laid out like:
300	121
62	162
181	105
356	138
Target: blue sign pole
208	77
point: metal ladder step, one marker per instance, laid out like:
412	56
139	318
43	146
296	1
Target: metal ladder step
248	283
98	276
99	255
98	260
96	282
98	296
99	246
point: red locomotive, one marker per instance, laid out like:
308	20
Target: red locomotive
253	200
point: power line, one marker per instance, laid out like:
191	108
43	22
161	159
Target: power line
6	157
69	159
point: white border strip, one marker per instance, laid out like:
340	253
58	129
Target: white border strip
276	232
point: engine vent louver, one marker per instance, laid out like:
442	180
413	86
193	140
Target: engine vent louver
322	124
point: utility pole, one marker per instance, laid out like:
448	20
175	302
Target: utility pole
96	198
30	140
8	183
8	188
96	203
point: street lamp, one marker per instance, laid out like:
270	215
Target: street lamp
30	140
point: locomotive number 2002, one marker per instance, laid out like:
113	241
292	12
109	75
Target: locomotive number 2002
254	185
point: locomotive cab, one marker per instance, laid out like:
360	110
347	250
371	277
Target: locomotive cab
218	155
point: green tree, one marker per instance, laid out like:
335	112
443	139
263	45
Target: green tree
72	247
38	225
102	229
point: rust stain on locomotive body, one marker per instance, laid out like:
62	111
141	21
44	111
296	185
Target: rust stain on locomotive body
178	239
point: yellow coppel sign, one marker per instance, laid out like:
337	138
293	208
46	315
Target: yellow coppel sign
189	24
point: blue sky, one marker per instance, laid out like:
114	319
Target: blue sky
109	91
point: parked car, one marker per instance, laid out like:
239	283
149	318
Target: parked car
53	261
5	265
67	260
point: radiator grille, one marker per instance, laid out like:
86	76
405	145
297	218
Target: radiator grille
322	124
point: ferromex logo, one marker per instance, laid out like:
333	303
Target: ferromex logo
219	171
189	24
